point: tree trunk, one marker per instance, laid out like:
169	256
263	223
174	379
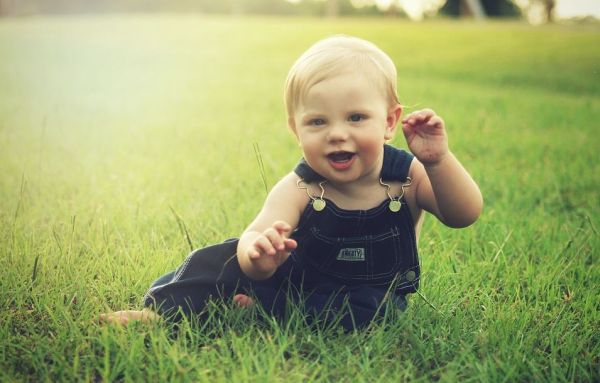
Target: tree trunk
333	8
549	5
474	8
5	8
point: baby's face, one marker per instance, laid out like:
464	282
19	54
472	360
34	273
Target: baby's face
341	124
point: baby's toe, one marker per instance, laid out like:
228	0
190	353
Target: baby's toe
243	300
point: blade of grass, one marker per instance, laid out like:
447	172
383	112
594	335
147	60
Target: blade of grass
261	166
182	228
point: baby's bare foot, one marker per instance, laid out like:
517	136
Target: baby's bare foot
243	300
128	316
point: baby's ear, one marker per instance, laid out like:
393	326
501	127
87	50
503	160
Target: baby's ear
393	117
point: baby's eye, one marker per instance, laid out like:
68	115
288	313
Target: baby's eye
356	117
317	122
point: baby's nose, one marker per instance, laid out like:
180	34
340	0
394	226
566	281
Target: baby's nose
337	132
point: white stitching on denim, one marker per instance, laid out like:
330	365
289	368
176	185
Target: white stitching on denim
183	268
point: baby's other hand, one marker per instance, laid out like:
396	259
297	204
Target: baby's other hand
270	249
426	136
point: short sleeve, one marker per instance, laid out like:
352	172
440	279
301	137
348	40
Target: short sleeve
396	164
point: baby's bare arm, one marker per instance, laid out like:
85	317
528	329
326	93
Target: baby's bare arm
443	186
261	253
449	192
265	244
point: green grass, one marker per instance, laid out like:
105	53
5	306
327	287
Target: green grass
108	125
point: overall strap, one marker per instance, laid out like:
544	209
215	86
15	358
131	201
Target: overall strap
396	164
304	171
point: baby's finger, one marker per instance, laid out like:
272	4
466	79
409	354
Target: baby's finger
290	244
410	118
427	113
435	121
423	116
253	252
275	239
282	227
416	117
263	246
419	116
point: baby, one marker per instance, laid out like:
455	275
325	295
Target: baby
338	234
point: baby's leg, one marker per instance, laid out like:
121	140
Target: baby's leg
147	316
128	316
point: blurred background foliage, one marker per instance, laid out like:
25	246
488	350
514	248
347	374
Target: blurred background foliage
535	11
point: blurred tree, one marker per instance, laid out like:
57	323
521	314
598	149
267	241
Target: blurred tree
5	7
464	8
416	9
354	8
500	8
550	5
475	8
537	11
260	6
296	7
333	8
492	8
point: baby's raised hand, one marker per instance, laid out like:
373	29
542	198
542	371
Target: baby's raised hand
426	136
271	248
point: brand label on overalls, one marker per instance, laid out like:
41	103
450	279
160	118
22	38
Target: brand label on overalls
354	254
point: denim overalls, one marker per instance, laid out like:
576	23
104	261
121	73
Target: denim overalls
347	266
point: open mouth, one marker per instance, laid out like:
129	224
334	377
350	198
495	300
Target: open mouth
340	157
341	160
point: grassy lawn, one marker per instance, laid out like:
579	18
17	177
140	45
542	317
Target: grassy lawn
115	131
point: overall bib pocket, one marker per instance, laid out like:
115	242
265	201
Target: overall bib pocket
367	258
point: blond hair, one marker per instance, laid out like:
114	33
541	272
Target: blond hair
332	56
